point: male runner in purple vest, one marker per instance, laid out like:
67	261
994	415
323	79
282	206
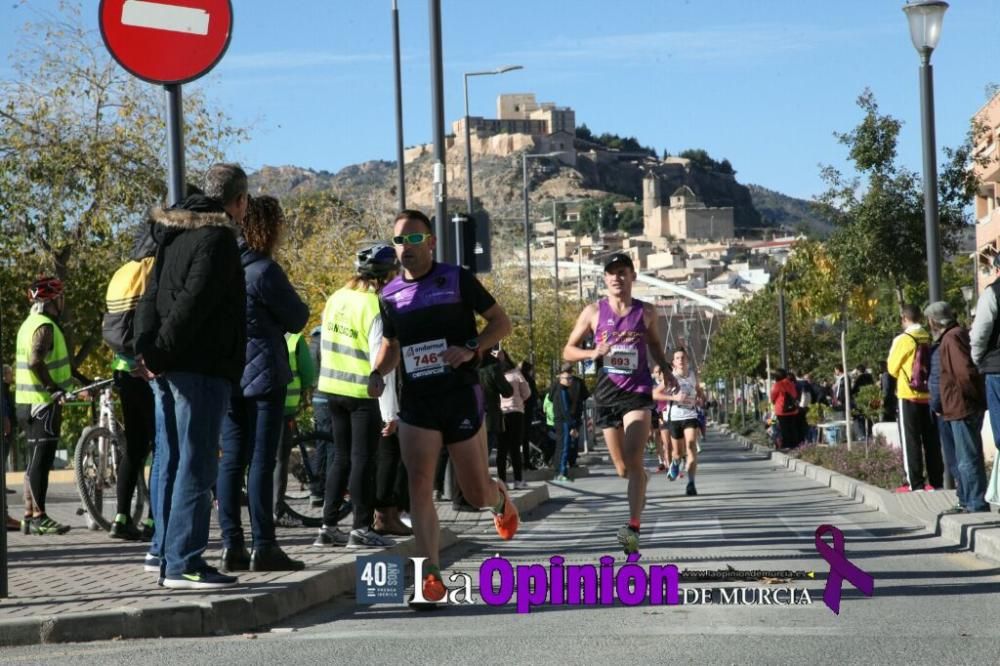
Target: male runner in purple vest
623	328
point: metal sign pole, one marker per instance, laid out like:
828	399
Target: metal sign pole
175	144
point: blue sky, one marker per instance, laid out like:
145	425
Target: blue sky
764	83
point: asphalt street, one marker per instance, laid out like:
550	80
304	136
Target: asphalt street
931	604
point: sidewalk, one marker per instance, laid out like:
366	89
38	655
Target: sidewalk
84	586
978	533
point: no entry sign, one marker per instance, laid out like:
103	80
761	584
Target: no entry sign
167	41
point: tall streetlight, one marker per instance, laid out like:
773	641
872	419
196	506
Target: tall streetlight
468	143
400	173
925	17
527	246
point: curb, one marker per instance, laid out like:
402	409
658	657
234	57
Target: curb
977	533
227	615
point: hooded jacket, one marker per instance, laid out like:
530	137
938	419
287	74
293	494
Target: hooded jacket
900	361
962	389
193	316
273	308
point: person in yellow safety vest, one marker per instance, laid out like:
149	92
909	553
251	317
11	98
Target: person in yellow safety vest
351	338
303	379
42	377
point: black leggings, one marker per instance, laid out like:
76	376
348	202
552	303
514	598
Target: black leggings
391	487
356	426
42	433
140	428
509	442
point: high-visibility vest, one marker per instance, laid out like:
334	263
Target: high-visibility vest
344	364
28	389
294	394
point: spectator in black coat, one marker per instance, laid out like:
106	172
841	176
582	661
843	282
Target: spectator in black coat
191	340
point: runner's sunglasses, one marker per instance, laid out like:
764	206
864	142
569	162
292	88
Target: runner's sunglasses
410	239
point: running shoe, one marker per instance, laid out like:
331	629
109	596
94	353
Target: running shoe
508	521
203	579
905	488
434	592
674	470
44	526
520	485
330	536
122	528
929	488
628	537
151	564
562	478
691	491
147	529
368	538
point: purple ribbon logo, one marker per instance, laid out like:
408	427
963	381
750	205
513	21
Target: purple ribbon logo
840	568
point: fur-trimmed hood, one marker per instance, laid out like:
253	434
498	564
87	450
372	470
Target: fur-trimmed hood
195	212
185	220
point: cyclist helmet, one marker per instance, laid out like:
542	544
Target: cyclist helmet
45	289
376	261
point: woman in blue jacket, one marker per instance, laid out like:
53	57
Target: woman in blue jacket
252	428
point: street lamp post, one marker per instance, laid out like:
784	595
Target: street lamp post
925	18
527	246
400	173
468	143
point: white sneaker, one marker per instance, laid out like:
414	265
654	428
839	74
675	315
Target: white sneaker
520	485
151	564
406	520
368	538
330	536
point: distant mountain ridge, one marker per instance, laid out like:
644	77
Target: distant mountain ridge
780	210
498	187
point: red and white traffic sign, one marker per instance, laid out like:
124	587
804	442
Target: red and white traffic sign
167	41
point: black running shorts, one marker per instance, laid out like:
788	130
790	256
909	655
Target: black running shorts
677	428
614	405
457	414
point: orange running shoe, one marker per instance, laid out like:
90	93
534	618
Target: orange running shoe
434	589
508	521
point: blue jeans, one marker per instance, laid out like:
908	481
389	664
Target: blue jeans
948	449
566	444
156	544
250	436
993	404
969	454
189	411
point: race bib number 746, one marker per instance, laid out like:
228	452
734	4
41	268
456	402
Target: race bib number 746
425	359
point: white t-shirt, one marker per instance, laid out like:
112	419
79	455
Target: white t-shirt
687	387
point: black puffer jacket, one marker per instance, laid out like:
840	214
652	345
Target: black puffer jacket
193	318
273	309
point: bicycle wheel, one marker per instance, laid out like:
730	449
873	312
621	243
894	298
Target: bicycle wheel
95	474
97	478
303	500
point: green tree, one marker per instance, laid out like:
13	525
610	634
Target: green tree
82	154
879	210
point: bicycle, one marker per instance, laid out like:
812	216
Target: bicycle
99	451
301	504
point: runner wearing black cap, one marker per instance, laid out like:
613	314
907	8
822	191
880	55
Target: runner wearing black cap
624	328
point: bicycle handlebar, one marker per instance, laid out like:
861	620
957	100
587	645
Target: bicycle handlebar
90	387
